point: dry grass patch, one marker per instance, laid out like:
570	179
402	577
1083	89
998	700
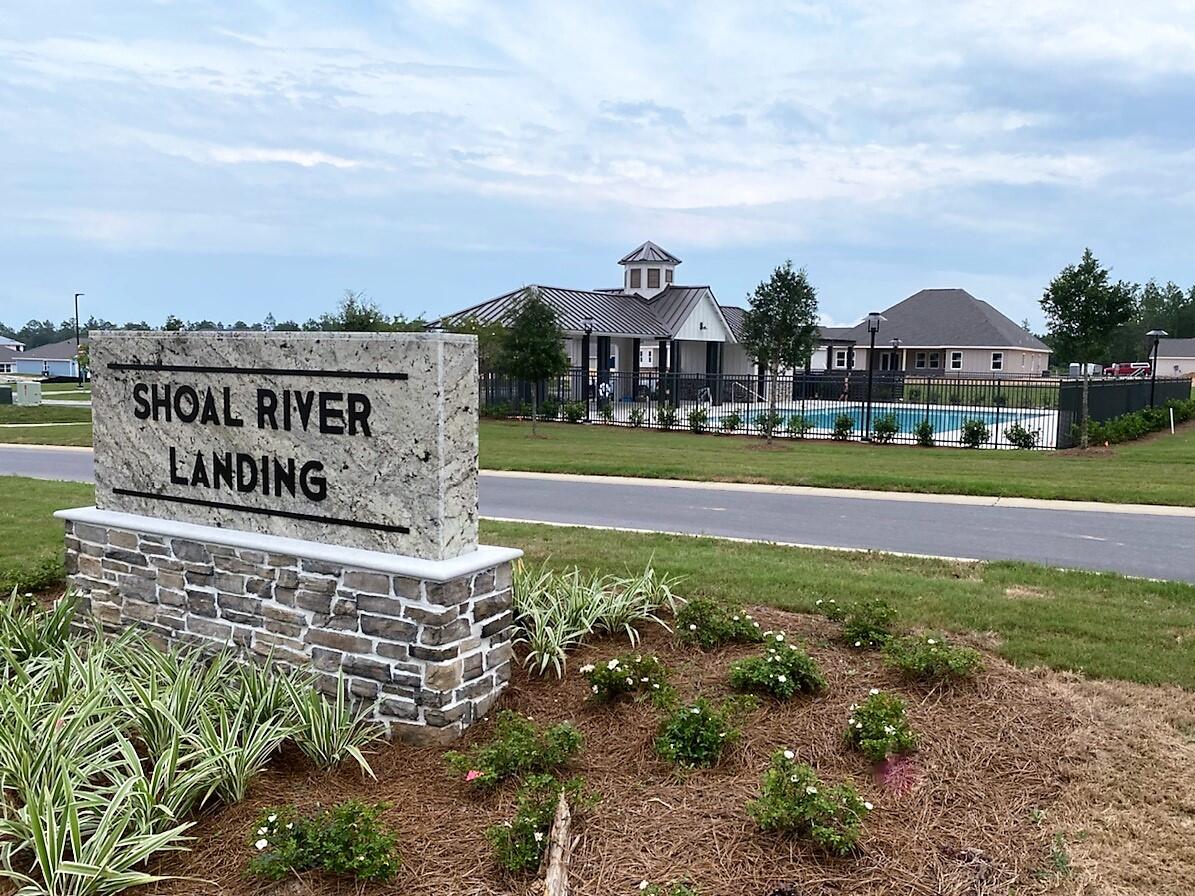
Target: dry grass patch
1026	592
1128	811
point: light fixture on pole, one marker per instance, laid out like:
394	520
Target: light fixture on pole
78	341
873	327
1156	336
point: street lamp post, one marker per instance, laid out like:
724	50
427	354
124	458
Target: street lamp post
873	327
1156	335
588	323
78	341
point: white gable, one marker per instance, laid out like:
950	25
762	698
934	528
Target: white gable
705	322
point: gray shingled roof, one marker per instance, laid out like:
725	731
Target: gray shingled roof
734	319
649	252
55	351
615	314
948	318
8	354
1176	348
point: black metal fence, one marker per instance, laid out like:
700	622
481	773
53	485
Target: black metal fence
910	408
1108	398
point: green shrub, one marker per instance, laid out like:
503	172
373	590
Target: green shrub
606	412
885	428
868	623
913	395
637	417
799	425
519	844
844	425
877	727
628	675
731	422
666	417
574	411
550	409
782	671
517	749
695	735
975	432
1134	425
932	658
681	889
768	422
793	800
830	608
347	839
329	732
708	623
698	420
1020	437
924	432
954	398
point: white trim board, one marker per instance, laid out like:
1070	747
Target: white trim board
484	557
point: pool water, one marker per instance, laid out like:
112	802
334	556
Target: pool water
944	419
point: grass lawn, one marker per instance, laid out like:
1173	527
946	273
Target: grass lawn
77	433
43	414
1156	470
1105	625
64	387
65	395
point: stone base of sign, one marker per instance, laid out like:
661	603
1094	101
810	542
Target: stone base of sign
427	643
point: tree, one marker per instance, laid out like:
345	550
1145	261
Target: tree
1084	309
780	326
173	324
534	348
491	340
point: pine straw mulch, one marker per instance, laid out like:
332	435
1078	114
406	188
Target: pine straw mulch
992	756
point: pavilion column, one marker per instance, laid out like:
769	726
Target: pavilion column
585	368
635	347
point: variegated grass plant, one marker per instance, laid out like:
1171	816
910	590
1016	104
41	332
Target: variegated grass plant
106	747
555	610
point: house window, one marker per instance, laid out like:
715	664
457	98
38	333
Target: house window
653	278
919	360
934	360
997	360
1022	360
667	275
636	278
956	360
840	358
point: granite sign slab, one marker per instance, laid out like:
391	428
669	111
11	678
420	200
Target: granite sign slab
360	440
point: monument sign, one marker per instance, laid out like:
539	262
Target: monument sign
306	497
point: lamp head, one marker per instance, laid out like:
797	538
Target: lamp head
873	321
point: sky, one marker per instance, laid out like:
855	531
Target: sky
225	160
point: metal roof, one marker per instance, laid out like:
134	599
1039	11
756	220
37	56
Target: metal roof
649	252
1176	348
615	314
673	304
733	316
946	318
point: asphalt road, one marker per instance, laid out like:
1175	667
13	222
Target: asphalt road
1136	544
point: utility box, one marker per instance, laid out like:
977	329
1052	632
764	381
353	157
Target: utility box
26	395
5	395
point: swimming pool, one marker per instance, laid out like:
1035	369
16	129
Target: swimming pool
943	418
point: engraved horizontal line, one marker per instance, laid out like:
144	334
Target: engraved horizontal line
289	514
267	371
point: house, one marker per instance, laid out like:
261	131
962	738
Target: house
1176	357
650	322
58	359
7	356
14	345
945	331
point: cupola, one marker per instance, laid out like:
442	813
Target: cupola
648	270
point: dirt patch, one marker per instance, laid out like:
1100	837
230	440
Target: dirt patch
993	757
1128	811
1026	592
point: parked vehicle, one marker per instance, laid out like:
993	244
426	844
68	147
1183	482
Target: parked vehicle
1128	368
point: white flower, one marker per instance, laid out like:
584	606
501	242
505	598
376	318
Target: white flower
696	710
888	729
789	754
781	678
587	668
644	679
735	617
859	725
262	843
868	806
271	818
811	790
793	779
854	706
613	664
818	602
630	680
858	643
289	825
874	691
643	885
931	641
692	627
538	837
780	637
594	688
656	686
756	624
